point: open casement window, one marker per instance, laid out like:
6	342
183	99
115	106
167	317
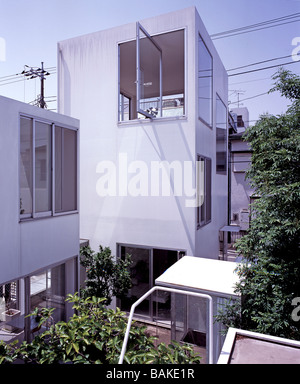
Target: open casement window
151	76
148	74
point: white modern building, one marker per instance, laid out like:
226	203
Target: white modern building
151	98
39	242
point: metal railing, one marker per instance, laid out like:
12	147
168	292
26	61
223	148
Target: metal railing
173	290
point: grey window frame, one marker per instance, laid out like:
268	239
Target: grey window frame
52	212
224	171
134	104
204	210
201	118
140	28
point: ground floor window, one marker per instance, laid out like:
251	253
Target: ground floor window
44	289
47	290
147	265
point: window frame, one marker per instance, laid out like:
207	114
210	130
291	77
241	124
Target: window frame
52	213
139	29
133	105
206	218
203	120
222	172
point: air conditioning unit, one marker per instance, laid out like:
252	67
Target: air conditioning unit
244	219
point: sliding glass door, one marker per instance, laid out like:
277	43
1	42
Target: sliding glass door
147	265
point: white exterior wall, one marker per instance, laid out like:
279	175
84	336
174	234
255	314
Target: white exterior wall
31	245
207	237
88	90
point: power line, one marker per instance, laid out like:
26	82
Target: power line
20	76
253	27
261	62
248	98
262	69
17	78
293	15
254	30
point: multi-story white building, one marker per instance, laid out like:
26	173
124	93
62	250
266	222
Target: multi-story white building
39	242
151	98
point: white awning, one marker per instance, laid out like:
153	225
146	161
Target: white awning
209	276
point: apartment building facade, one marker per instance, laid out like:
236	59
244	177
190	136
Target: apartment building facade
39	239
151	98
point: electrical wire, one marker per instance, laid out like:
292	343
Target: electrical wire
250	28
261	62
262	69
248	98
293	15
6	80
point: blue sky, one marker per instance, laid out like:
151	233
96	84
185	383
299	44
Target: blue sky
32	28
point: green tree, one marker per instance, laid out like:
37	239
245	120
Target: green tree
106	277
95	335
270	273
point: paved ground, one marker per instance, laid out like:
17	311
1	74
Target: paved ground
164	336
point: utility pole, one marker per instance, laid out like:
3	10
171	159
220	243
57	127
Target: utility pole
238	93
34	72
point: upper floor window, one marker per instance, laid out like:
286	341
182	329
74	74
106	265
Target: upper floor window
204	194
48	168
205	85
221	136
151	76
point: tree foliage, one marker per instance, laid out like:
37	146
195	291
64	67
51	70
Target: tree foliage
106	277
270	273
94	335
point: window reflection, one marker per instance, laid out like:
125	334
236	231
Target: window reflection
205	72
221	136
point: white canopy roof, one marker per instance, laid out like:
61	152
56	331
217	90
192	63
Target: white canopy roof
198	274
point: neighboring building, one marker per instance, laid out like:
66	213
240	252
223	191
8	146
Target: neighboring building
241	116
39	239
151	98
241	193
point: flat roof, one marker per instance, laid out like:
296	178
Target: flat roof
209	276
245	347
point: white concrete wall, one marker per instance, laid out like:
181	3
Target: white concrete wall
207	240
88	90
28	246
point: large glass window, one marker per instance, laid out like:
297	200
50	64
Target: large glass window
26	161
205	85
65	170
48	184
151	76
204	171
47	290
147	265
42	165
221	137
